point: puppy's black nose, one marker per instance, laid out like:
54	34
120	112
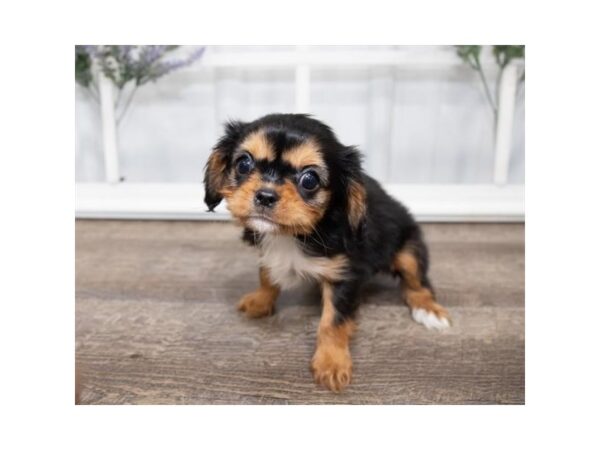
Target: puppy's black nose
266	197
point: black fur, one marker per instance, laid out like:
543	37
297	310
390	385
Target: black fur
387	226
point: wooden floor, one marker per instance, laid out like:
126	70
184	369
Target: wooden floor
156	322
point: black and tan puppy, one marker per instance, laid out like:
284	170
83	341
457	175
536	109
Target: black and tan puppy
305	202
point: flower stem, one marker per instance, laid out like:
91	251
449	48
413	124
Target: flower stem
93	91
486	87
126	107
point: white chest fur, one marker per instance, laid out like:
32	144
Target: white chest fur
288	265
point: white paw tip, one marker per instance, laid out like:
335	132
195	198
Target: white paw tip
429	319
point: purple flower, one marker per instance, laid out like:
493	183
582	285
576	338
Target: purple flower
125	64
163	68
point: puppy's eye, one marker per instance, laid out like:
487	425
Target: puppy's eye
309	181
244	164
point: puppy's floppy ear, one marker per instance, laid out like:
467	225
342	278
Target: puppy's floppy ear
357	203
355	188
219	162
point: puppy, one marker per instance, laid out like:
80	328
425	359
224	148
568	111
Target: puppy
305	202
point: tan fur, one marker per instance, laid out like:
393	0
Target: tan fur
306	154
417	296
291	212
294	213
240	201
262	301
218	177
423	299
335	268
258	146
331	363
407	265
357	203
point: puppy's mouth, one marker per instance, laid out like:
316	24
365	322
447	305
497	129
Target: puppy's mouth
261	223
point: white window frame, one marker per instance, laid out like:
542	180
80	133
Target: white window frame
432	202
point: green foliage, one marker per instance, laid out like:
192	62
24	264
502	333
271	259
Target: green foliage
506	53
469	54
83	68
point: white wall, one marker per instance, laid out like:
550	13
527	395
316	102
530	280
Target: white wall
413	125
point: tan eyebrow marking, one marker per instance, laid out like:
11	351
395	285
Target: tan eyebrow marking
306	154
259	146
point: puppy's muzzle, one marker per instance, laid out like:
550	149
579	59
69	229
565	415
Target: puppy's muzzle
266	198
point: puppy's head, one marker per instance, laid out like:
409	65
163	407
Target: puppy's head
283	173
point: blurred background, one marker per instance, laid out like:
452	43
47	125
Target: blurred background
442	127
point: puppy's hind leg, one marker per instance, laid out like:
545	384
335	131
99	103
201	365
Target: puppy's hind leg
411	264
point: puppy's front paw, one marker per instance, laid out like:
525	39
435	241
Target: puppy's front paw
257	304
332	367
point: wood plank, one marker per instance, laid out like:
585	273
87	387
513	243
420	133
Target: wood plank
156	323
